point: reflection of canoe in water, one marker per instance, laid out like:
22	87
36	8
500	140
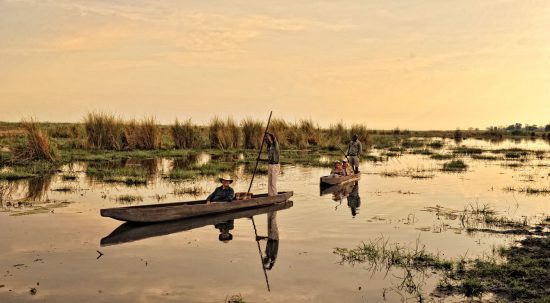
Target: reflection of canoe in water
181	210
333	180
129	232
330	189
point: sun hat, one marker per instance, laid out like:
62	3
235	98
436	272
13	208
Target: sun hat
227	178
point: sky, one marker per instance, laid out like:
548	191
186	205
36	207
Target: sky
426	64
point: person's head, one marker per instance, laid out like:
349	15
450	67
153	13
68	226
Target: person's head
338	165
226	181
269	138
355	137
225	236
345	163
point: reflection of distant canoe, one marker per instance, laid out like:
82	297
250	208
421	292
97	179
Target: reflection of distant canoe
330	189
181	210
129	232
332	180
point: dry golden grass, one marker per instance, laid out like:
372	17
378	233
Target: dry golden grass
36	147
144	134
185	135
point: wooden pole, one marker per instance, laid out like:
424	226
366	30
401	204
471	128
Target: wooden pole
250	187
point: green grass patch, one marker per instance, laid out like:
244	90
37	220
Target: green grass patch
128	199
455	166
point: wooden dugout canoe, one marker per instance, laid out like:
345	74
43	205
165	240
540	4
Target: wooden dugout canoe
130	232
332	180
181	210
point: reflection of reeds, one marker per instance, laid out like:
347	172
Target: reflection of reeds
38	187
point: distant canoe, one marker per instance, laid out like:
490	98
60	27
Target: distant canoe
181	210
130	232
332	180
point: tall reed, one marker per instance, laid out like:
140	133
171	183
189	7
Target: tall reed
144	134
224	134
185	135
103	131
37	145
252	133
279	128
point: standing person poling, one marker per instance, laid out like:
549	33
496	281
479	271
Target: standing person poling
273	166
355	149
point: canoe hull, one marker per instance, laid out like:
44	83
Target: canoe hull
176	211
129	232
329	180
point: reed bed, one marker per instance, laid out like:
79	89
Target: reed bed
224	134
252	133
144	134
103	131
185	135
36	147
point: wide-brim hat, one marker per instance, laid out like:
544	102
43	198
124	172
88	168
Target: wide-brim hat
345	160
226	178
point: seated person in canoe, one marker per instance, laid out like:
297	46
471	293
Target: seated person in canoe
346	168
224	193
337	171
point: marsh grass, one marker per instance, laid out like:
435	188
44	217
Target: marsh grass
455	166
104	131
279	128
235	299
185	135
193	190
529	190
441	156
36	147
128	199
252	133
130	175
463	150
143	134
224	134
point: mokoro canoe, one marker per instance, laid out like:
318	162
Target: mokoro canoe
130	232
181	210
333	180
330	189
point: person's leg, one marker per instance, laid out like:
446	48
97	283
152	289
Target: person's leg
273	172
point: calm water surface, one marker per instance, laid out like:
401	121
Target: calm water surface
57	252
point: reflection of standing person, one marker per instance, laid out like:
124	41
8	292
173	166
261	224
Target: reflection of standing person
272	246
273	166
273	170
354	201
355	149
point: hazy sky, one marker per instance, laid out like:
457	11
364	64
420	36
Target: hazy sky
426	64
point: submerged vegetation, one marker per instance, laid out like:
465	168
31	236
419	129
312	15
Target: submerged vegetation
513	274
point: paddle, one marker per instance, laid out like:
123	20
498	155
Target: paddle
345	154
249	187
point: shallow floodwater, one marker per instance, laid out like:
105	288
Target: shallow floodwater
57	252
